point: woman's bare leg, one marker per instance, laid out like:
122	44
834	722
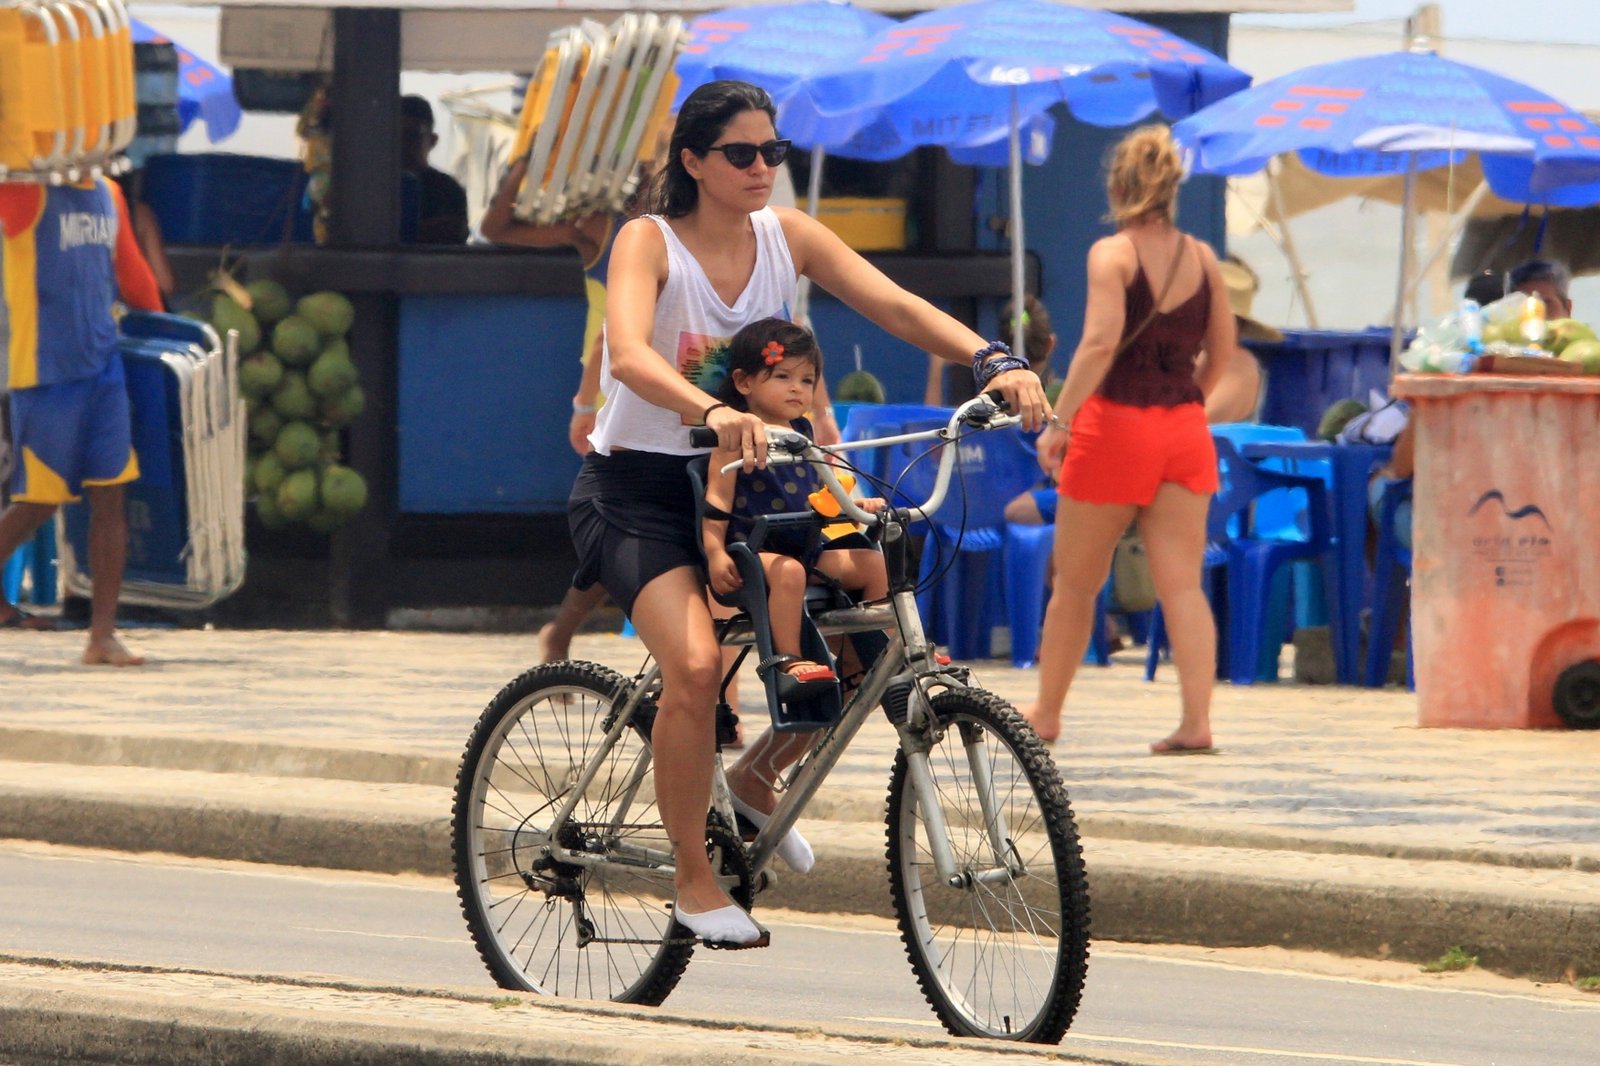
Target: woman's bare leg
1174	531
1086	536
671	617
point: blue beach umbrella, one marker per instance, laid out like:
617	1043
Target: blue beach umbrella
1401	113
990	64
204	91
1388	113
979	78
773	45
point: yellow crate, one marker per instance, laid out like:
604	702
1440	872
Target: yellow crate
867	224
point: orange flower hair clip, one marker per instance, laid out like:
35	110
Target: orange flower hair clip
772	354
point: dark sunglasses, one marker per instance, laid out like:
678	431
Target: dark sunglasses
742	153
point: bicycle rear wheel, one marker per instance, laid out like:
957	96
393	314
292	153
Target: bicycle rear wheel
599	929
1004	952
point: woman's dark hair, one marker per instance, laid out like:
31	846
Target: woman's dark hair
701	120
748	352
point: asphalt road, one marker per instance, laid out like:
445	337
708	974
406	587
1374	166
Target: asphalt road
1168	1005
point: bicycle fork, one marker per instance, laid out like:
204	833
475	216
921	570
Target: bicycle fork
915	730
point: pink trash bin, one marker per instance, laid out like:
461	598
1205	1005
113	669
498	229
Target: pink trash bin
1505	586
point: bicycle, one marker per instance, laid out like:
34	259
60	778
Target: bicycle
565	873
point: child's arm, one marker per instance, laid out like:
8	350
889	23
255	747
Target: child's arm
720	567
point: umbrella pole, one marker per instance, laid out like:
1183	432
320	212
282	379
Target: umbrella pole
1407	223
1287	245
802	287
1018	295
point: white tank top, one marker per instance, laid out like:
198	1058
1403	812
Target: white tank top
692	330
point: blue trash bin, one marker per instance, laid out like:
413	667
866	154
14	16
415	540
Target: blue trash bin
1309	369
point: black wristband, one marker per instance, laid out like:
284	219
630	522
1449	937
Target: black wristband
707	412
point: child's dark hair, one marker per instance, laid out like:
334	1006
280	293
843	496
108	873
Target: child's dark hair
1037	331
751	348
701	120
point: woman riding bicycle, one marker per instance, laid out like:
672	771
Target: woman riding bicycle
711	258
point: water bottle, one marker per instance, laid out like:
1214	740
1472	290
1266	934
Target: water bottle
1471	319
1531	319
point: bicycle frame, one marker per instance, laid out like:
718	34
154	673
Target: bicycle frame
909	659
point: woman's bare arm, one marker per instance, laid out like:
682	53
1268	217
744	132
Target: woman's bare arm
1222	333
819	254
1111	265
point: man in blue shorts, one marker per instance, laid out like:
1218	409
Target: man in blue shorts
65	253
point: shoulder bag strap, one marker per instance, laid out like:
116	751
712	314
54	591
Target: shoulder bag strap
1155	308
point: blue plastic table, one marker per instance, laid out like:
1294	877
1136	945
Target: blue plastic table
1347	468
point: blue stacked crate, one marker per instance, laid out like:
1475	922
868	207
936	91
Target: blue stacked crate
1309	369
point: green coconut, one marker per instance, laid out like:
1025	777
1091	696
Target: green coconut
1338	414
858	386
227	314
297	496
265	425
344	408
295	341
259	374
343	490
270	473
267	510
297	445
270	301
331	313
333	372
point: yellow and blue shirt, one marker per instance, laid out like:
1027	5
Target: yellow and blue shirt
65	252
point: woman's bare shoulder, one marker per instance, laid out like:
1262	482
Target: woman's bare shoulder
1115	253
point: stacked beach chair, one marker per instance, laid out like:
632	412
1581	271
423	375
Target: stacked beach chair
186	510
593	113
67	104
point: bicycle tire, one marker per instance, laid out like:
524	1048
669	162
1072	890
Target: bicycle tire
1002	957
598	932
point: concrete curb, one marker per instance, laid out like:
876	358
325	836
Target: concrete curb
1545	926
84	1012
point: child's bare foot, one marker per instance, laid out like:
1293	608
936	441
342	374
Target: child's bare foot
109	651
806	670
1048	731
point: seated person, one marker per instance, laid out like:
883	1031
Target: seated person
442	213
773	368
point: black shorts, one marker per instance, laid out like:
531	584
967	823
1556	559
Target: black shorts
632	519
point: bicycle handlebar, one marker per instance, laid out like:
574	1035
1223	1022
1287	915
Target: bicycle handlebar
983	412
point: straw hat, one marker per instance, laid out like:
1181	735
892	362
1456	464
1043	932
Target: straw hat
1242	287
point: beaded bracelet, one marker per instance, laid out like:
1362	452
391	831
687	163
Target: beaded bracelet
997	366
992	348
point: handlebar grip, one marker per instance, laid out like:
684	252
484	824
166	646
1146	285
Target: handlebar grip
702	437
996	398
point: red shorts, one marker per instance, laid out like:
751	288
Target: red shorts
1122	454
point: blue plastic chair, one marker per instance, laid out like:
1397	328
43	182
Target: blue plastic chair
36	559
869	421
1280	515
1391	579
968	599
1026	555
1249	563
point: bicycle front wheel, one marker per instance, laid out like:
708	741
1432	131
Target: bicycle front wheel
1002	952
595	922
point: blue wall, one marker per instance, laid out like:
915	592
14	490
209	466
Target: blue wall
486	387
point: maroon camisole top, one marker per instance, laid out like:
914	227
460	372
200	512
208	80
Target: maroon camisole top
1157	369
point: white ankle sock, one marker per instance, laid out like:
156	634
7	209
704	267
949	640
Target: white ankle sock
792	849
725	925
